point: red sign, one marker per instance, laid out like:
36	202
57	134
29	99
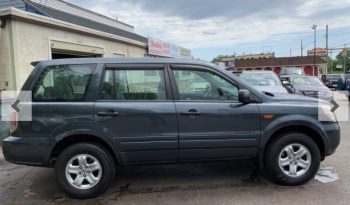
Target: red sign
159	48
319	52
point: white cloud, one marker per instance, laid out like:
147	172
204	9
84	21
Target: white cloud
271	25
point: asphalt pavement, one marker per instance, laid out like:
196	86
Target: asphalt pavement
217	183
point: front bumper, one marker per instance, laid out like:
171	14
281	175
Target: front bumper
332	135
27	151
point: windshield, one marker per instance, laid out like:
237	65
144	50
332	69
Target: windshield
306	81
333	77
261	79
292	71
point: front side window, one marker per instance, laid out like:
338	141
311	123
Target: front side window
133	85
64	83
203	85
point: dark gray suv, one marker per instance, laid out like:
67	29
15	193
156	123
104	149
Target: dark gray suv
91	115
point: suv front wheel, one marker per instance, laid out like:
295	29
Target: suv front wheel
84	170
292	159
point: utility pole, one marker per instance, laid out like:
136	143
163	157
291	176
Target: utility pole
301	48
314	27
290	52
327	48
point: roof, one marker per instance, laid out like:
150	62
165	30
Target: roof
114	60
77	20
258	71
68	7
19	4
278	62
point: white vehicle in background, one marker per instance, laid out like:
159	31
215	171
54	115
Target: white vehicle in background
287	72
264	81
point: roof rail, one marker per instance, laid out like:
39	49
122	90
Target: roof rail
34	63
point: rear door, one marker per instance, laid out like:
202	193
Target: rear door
135	107
213	125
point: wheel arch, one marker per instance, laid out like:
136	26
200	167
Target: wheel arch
79	138
314	134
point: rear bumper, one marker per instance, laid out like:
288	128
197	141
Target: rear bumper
27	151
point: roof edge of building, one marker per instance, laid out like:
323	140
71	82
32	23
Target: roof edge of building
18	14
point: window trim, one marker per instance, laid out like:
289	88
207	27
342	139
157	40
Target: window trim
141	67
187	67
48	68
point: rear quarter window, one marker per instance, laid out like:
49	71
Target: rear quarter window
63	83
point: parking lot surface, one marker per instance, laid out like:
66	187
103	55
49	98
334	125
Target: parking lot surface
218	183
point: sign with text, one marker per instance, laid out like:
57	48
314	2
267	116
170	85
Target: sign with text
159	48
319	52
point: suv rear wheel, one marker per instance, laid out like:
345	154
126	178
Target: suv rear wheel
84	170
292	159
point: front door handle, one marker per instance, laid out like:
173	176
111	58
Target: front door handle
191	112
108	113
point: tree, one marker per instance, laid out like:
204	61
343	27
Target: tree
218	58
344	56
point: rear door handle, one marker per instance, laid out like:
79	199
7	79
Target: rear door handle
108	113
191	112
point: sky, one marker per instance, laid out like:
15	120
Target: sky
213	27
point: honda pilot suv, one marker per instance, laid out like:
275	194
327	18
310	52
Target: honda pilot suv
90	116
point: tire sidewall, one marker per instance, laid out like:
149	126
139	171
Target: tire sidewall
274	150
106	162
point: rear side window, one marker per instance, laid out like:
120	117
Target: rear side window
133	85
64	83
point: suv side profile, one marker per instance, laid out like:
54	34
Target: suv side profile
91	115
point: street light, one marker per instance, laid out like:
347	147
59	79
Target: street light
314	27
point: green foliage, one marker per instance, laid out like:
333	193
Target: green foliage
218	58
339	60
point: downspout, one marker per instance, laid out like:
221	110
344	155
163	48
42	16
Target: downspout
13	51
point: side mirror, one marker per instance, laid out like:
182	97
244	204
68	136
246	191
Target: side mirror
286	83
244	96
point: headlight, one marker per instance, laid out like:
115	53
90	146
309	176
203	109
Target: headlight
325	113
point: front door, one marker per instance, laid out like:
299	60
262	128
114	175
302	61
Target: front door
213	125
135	108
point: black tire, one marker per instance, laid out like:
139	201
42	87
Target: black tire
272	168
104	158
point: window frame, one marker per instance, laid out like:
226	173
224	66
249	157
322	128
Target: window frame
44	71
140	67
185	67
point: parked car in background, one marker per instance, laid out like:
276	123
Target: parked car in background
287	72
344	83
310	86
265	81
91	115
331	80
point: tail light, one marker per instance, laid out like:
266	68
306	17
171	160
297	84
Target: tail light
14	121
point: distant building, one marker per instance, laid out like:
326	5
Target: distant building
275	64
257	56
229	61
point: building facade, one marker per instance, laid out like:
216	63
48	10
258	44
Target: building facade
311	65
34	30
